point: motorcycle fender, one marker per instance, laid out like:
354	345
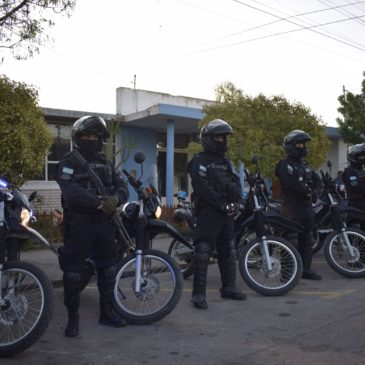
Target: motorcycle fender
29	233
283	222
275	219
352	212
163	227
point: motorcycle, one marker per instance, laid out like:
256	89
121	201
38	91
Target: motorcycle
261	257
26	293
149	283
182	253
322	215
344	248
268	263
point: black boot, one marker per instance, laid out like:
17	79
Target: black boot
108	316
201	260
306	252
227	267
232	292
72	328
71	285
311	275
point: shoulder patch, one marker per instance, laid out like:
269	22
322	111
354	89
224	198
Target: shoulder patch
202	171
68	170
290	169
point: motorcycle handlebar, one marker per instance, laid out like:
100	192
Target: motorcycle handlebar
135	183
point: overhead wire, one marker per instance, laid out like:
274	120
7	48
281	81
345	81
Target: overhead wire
344	12
270	36
311	28
286	18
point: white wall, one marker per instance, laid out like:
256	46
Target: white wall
131	101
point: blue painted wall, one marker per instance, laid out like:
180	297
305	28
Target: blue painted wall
141	139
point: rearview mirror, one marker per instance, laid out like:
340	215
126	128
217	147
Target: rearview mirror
139	156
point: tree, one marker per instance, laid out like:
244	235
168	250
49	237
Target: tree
114	127
260	125
24	137
352	125
23	23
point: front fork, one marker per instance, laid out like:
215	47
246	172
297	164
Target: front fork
140	245
260	232
339	224
348	244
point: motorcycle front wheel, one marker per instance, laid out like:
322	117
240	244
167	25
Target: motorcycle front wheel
26	306
338	256
184	257
286	271
161	287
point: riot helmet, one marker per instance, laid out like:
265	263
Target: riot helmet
86	126
292	139
213	136
356	155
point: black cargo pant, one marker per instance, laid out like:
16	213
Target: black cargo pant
87	236
214	229
302	212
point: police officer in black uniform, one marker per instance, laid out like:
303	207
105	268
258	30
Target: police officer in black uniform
354	177
216	190
300	187
88	230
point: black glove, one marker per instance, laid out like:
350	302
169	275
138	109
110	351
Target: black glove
230	209
109	203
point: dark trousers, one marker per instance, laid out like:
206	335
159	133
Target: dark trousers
214	230
302	212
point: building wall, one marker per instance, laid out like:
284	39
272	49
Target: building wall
131	101
48	195
140	139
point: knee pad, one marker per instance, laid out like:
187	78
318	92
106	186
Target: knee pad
107	273
202	251
71	279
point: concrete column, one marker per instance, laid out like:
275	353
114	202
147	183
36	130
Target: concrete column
242	177
170	137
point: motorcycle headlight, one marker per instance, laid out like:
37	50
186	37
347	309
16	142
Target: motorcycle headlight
158	212
24	217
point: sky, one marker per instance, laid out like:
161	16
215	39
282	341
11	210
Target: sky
306	51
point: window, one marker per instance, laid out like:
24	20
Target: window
61	145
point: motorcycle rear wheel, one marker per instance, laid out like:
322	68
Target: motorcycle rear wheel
27	308
287	267
184	257
338	256
161	287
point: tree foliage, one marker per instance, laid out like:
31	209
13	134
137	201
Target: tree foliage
260	125
352	125
24	137
23	23
114	127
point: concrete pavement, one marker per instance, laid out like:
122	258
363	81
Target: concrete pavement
317	323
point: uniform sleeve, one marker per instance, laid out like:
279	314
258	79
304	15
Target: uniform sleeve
120	187
317	183
74	195
287	180
199	181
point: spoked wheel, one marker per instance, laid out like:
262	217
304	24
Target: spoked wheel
184	257
161	287
286	271
338	255
26	306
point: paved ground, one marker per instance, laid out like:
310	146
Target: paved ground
317	323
